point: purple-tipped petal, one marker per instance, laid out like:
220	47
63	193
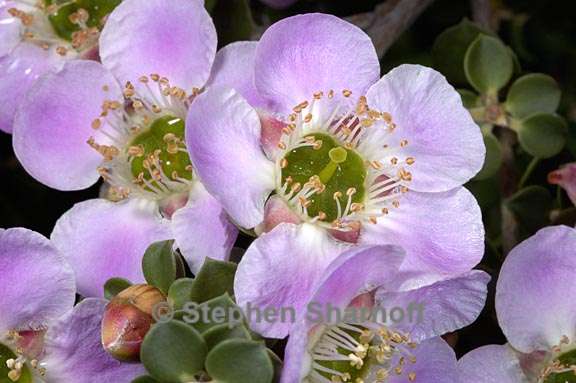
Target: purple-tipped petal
536	289
439	308
104	239
442	234
37	282
173	38
223	138
18	71
282	269
355	272
234	68
74	352
428	112
202	229
435	363
301	55
54	123
491	364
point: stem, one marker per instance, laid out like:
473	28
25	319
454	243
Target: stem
389	20
531	166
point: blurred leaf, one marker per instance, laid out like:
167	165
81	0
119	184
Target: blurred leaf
450	48
486	192
542	135
220	333
277	364
488	64
145	379
160	265
531	206
180	292
565	217
469	98
210	4
173	352
533	93
250	359
493	158
233	20
214	279
114	286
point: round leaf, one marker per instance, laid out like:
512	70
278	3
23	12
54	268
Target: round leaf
159	265
180	292
114	286
250	359
173	352
214	279
488	64
450	48
493	158
542	135
469	98
531	94
144	379
220	333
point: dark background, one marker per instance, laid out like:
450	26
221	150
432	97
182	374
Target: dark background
542	33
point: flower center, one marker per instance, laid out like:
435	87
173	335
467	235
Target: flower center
70	17
325	176
145	151
17	356
68	26
333	170
562	369
355	353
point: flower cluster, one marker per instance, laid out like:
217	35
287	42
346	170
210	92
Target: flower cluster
350	183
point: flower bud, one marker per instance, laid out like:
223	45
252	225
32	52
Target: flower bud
127	319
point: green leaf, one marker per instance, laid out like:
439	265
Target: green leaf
114	286
542	135
233	19
220	333
531	206
493	158
488	64
145	379
531	94
180	292
214	279
173	352
277	364
216	311
160	265
209	5
250	359
450	48
469	98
